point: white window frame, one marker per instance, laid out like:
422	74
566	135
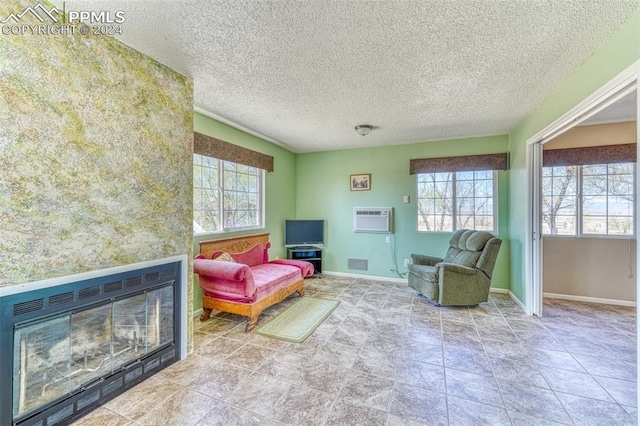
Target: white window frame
494	178
579	215
220	189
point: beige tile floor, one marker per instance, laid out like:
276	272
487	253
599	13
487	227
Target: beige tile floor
387	356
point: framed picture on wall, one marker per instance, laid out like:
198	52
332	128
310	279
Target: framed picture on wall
360	182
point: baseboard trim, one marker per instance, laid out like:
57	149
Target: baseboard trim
518	302
590	299
511	295
197	313
366	277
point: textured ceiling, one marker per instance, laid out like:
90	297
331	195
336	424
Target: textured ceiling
622	110
304	73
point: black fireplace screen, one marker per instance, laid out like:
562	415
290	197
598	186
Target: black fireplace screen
75	346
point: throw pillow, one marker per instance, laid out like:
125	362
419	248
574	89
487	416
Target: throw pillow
225	257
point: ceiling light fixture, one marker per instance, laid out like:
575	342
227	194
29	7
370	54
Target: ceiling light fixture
364	129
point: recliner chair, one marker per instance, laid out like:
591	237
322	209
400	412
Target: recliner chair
463	276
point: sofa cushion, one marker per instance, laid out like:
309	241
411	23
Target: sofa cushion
451	254
464	237
466	247
455	238
270	277
478	239
252	257
466	258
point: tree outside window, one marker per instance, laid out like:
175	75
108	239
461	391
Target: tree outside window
591	199
559	200
226	195
456	200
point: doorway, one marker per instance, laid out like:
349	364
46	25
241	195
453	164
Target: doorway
620	87
588	209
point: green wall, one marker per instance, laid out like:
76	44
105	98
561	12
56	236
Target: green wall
612	58
280	187
323	193
316	185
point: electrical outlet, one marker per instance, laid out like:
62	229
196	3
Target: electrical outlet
387	239
406	262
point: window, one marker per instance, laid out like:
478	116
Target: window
591	199
226	195
456	200
559	200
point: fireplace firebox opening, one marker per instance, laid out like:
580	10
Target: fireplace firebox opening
66	349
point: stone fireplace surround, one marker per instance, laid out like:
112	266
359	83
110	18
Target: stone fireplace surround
24	306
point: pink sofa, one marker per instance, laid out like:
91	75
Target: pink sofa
250	285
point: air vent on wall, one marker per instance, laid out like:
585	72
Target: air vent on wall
358	264
372	219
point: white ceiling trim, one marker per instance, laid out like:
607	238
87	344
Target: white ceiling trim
207	113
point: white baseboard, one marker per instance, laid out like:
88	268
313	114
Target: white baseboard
518	302
511	295
366	277
590	299
197	313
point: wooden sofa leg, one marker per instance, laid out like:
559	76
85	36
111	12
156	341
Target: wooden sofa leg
251	323
206	313
301	292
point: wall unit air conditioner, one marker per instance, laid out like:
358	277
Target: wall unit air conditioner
373	219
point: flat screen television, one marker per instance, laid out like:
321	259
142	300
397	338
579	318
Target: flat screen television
303	232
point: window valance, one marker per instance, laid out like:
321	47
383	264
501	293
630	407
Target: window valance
464	163
213	147
606	154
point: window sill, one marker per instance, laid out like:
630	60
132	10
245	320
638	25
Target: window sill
228	231
592	236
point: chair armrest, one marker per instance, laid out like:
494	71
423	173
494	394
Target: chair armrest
420	259
452	267
223	270
461	286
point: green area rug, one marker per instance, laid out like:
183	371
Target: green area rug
299	320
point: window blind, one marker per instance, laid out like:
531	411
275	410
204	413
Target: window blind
465	163
606	154
216	148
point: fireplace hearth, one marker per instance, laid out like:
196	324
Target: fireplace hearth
66	349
